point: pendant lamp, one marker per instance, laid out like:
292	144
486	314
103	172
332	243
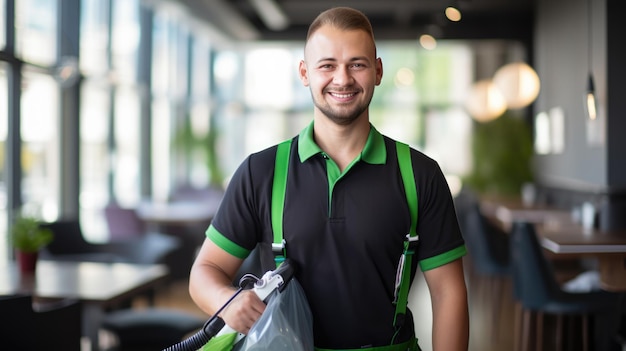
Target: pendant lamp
591	101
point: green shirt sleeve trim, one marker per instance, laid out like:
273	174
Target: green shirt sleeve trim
440	260
223	242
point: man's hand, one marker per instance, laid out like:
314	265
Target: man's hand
243	311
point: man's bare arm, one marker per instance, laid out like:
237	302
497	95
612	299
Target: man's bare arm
210	286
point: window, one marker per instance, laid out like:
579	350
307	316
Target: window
35	31
4	123
40	145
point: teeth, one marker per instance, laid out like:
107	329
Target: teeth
342	96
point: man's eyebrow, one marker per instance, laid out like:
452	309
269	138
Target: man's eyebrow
324	59
356	58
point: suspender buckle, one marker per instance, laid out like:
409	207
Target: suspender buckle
278	248
412	241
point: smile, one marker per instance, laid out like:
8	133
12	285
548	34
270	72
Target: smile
342	96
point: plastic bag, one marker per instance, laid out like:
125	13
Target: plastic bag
286	324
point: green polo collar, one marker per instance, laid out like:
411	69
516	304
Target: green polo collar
374	151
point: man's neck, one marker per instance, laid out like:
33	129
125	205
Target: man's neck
342	143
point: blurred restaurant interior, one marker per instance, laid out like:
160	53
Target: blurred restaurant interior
122	120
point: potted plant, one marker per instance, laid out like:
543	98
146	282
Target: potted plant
28	237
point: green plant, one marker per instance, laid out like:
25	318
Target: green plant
29	236
502	151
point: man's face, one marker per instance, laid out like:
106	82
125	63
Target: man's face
341	70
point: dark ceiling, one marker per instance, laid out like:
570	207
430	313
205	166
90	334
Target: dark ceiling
391	19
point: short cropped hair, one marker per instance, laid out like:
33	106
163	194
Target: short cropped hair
344	18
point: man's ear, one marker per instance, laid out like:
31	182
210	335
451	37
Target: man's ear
379	70
303	73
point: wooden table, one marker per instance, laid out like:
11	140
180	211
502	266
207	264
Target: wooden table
178	212
560	235
609	247
507	211
97	285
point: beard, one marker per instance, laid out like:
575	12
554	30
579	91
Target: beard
342	115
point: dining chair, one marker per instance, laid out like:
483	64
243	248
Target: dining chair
488	252
43	326
537	290
123	222
149	329
70	244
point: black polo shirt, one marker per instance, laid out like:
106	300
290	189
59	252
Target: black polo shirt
345	230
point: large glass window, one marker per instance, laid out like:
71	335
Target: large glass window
95	159
94	37
170	109
35	31
3	24
126	158
125	40
4	123
40	145
200	170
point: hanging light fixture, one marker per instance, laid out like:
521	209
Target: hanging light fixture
519	83
485	102
591	102
453	13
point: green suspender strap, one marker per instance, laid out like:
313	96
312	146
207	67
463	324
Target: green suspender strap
279	188
403	275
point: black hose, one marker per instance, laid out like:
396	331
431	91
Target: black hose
213	325
199	339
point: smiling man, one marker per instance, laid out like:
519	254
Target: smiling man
346	214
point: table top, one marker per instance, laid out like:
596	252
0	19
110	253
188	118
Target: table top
555	228
576	239
509	210
91	282
178	211
560	234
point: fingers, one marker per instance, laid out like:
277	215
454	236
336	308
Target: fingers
243	311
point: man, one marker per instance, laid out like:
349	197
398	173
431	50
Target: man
345	214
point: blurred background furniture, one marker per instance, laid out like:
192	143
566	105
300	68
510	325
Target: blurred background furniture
43	326
147	329
186	216
123	222
150	329
488	253
69	244
100	287
538	293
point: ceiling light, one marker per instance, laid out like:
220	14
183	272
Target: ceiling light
271	14
518	83
453	13
591	102
485	101
428	42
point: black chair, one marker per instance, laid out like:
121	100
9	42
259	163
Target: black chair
123	222
488	252
47	326
69	244
150	329
536	289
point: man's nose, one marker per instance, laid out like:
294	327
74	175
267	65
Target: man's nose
342	76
